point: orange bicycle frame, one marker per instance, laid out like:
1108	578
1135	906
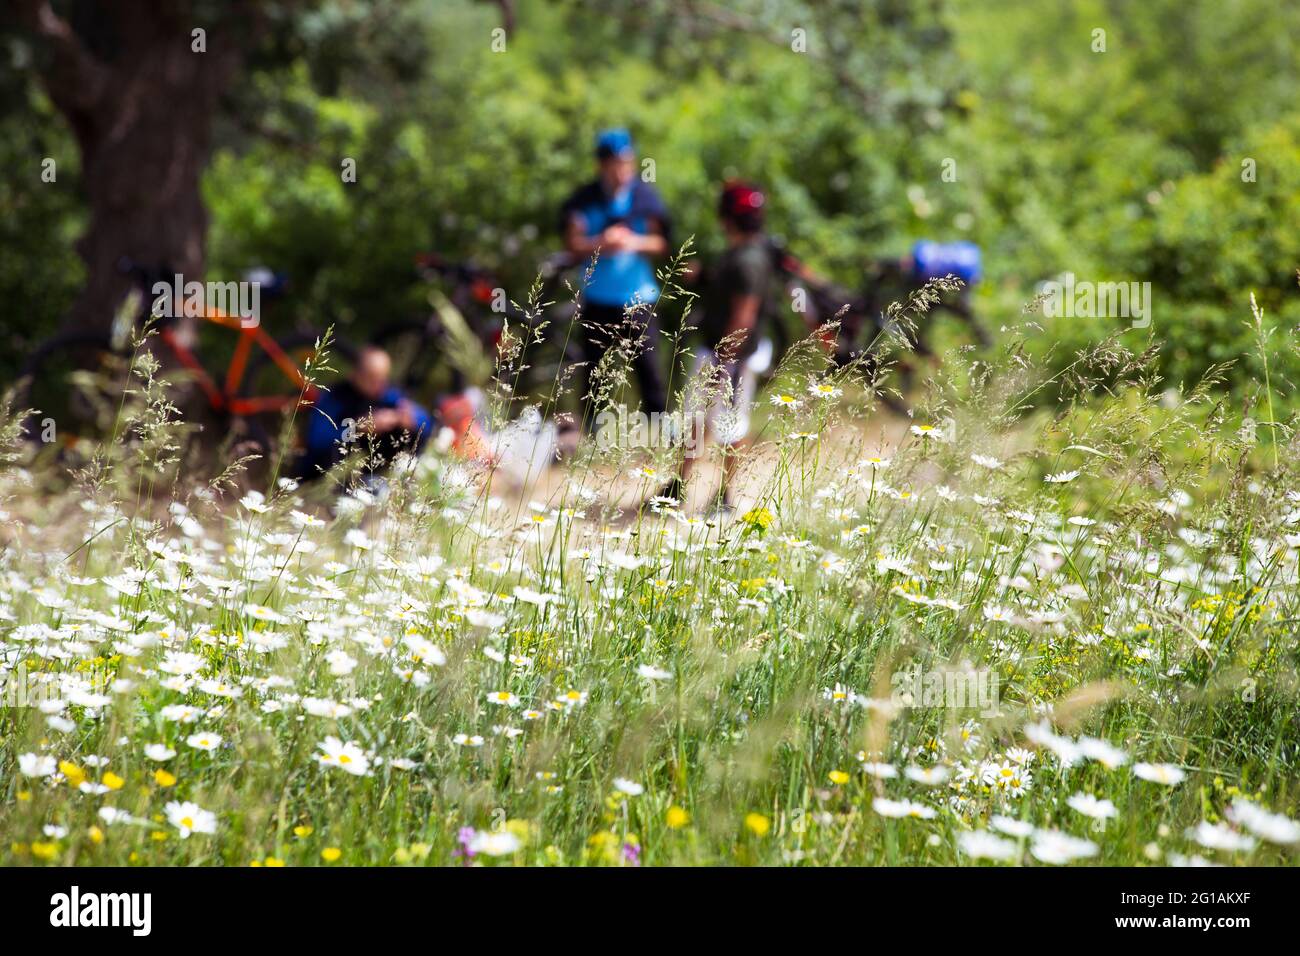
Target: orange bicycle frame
225	397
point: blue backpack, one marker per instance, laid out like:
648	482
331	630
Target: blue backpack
934	260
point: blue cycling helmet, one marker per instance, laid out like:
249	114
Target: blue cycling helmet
933	260
614	142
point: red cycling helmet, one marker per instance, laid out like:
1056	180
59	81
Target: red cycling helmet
742	203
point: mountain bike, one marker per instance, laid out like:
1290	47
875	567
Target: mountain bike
76	381
427	351
864	316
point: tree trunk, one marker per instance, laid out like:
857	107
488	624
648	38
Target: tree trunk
141	106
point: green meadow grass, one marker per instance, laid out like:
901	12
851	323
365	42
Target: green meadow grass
450	673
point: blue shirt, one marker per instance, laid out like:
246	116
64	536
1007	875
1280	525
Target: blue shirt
619	278
343	404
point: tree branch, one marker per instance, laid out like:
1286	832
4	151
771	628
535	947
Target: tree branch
74	78
507	16
704	12
507	8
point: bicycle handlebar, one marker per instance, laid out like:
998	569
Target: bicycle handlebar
467	271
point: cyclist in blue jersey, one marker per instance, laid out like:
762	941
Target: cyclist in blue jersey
621	222
894	279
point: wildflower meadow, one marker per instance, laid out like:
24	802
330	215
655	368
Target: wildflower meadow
631	471
1048	620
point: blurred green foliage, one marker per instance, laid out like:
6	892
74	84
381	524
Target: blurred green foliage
1122	165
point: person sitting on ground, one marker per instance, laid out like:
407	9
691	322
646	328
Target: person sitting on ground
366	408
735	350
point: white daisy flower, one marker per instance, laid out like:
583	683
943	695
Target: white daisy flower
1011	826
190	818
1220	836
204	741
902	808
346	756
1061	477
1090	806
1052	846
930	776
494	843
1163	773
823	389
983	845
1273	827
37	766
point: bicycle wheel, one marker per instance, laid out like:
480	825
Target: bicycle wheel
266	382
75	383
